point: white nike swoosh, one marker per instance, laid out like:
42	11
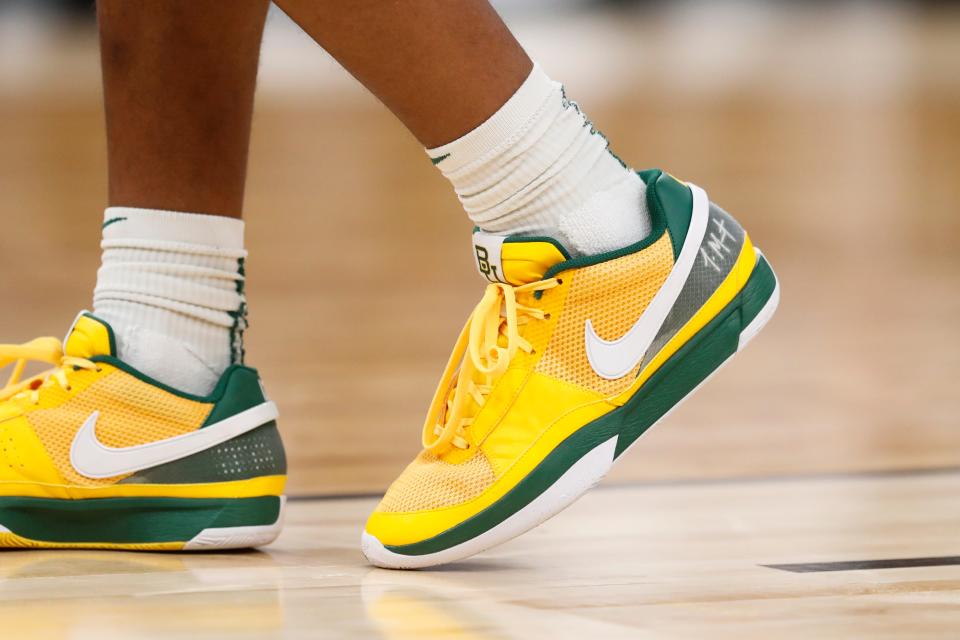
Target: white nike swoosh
616	358
93	459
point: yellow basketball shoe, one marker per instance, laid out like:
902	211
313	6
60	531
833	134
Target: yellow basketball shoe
562	365
95	454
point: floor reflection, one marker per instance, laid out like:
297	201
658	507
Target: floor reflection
103	594
471	600
413	609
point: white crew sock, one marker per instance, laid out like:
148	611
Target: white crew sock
171	286
538	167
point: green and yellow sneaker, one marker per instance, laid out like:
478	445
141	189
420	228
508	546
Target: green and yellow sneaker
98	455
562	366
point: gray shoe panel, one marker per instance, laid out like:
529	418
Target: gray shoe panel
719	250
249	455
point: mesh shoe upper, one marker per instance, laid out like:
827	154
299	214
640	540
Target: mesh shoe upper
40	420
554	383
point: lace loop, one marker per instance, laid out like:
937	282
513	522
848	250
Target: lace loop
485	347
48	350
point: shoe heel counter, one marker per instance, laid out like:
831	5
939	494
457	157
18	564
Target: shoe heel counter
256	453
239	389
718	254
259	451
670	203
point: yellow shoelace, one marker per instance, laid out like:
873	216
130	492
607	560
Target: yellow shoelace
486	345
47	350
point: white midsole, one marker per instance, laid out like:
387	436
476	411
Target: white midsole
238	537
576	481
585	473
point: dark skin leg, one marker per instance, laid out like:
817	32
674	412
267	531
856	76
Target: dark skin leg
442	66
179	78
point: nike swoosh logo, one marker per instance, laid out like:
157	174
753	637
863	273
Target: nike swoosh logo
112	221
93	459
613	359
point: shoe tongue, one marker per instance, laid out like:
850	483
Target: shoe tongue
88	337
515	260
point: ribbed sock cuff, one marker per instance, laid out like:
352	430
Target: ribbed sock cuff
507	124
158	226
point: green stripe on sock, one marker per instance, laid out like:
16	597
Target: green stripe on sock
112	221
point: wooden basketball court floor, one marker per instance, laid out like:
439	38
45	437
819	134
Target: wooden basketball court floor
812	489
767	558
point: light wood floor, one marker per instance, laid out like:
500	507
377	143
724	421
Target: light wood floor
833	438
665	561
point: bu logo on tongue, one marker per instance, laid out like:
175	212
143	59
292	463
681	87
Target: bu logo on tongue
488	250
515	260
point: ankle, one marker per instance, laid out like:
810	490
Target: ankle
539	167
171	284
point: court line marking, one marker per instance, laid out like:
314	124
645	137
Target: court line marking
858	565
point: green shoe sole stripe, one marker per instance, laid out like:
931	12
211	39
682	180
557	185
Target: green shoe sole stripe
131	520
679	375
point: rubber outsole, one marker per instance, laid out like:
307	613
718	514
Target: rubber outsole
598	452
141	524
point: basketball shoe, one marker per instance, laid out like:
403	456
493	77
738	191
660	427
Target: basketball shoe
562	365
95	454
